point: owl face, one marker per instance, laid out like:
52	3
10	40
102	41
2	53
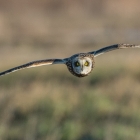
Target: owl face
81	65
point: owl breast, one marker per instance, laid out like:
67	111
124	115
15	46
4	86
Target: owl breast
81	65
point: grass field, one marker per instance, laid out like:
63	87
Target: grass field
48	103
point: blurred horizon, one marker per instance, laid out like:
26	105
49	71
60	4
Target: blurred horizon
60	21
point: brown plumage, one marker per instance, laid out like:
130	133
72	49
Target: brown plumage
79	65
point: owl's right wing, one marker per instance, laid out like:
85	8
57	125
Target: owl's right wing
34	64
113	47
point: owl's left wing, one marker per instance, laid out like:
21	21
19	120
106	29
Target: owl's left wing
34	64
113	47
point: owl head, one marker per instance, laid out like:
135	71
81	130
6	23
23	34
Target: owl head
81	65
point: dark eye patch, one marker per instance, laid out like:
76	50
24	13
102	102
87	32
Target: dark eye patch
76	63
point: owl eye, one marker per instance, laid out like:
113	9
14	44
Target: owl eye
86	63
77	64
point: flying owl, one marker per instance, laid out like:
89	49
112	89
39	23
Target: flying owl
80	64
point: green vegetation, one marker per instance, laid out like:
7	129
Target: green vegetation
49	104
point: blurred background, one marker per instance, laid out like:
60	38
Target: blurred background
48	103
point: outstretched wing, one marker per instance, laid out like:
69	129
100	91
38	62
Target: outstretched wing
34	64
113	47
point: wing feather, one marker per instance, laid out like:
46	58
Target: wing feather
113	47
34	64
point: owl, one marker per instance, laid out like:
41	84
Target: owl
79	65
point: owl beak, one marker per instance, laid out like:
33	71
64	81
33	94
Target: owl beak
82	67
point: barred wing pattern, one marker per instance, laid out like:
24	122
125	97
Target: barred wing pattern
34	64
75	64
113	47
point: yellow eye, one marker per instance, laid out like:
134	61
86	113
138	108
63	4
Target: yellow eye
77	64
86	63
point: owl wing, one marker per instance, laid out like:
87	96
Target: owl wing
113	47
34	64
